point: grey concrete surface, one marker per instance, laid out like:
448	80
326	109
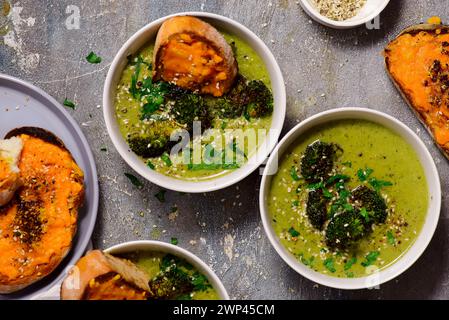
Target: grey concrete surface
323	69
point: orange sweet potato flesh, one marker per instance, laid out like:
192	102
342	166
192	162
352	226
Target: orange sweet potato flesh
38	225
193	55
418	63
112	286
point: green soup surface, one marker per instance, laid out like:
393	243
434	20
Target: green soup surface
128	113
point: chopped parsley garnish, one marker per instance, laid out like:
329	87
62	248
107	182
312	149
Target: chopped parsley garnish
70	104
390	238
364	213
327	193
315	186
212	166
136	182
305	261
295	203
235	148
347	164
150	165
161	195
166	158
370	258
93	58
329	264
294	174
364	174
379	184
337	178
174	241
293	232
152	95
350	263
200	282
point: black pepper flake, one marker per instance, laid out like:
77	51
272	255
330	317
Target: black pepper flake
27	224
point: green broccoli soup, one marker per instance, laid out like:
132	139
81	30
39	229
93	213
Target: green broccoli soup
149	113
173	278
349	198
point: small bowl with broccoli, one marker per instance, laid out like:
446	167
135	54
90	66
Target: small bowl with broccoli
194	102
170	267
350	198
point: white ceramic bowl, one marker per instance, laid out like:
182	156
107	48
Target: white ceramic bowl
157	246
433	212
370	10
147	34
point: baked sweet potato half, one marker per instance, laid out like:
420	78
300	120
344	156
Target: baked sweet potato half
38	225
101	276
417	61
193	55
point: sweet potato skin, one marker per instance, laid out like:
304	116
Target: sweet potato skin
26	256
194	29
95	268
92	265
410	63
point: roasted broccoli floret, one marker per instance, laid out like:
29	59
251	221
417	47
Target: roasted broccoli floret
189	107
345	229
155	140
231	105
148	147
316	209
318	161
251	98
223	108
366	198
170	284
260	100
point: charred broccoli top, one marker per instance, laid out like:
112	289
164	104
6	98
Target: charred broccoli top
177	280
189	107
318	161
316	209
155	141
372	201
147	147
170	284
260	100
251	98
345	229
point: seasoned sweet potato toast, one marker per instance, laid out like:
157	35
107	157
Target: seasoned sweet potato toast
193	55
38	225
100	276
418	63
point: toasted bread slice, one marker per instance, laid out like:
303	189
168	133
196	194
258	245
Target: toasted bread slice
95	276
193	55
38	225
417	61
